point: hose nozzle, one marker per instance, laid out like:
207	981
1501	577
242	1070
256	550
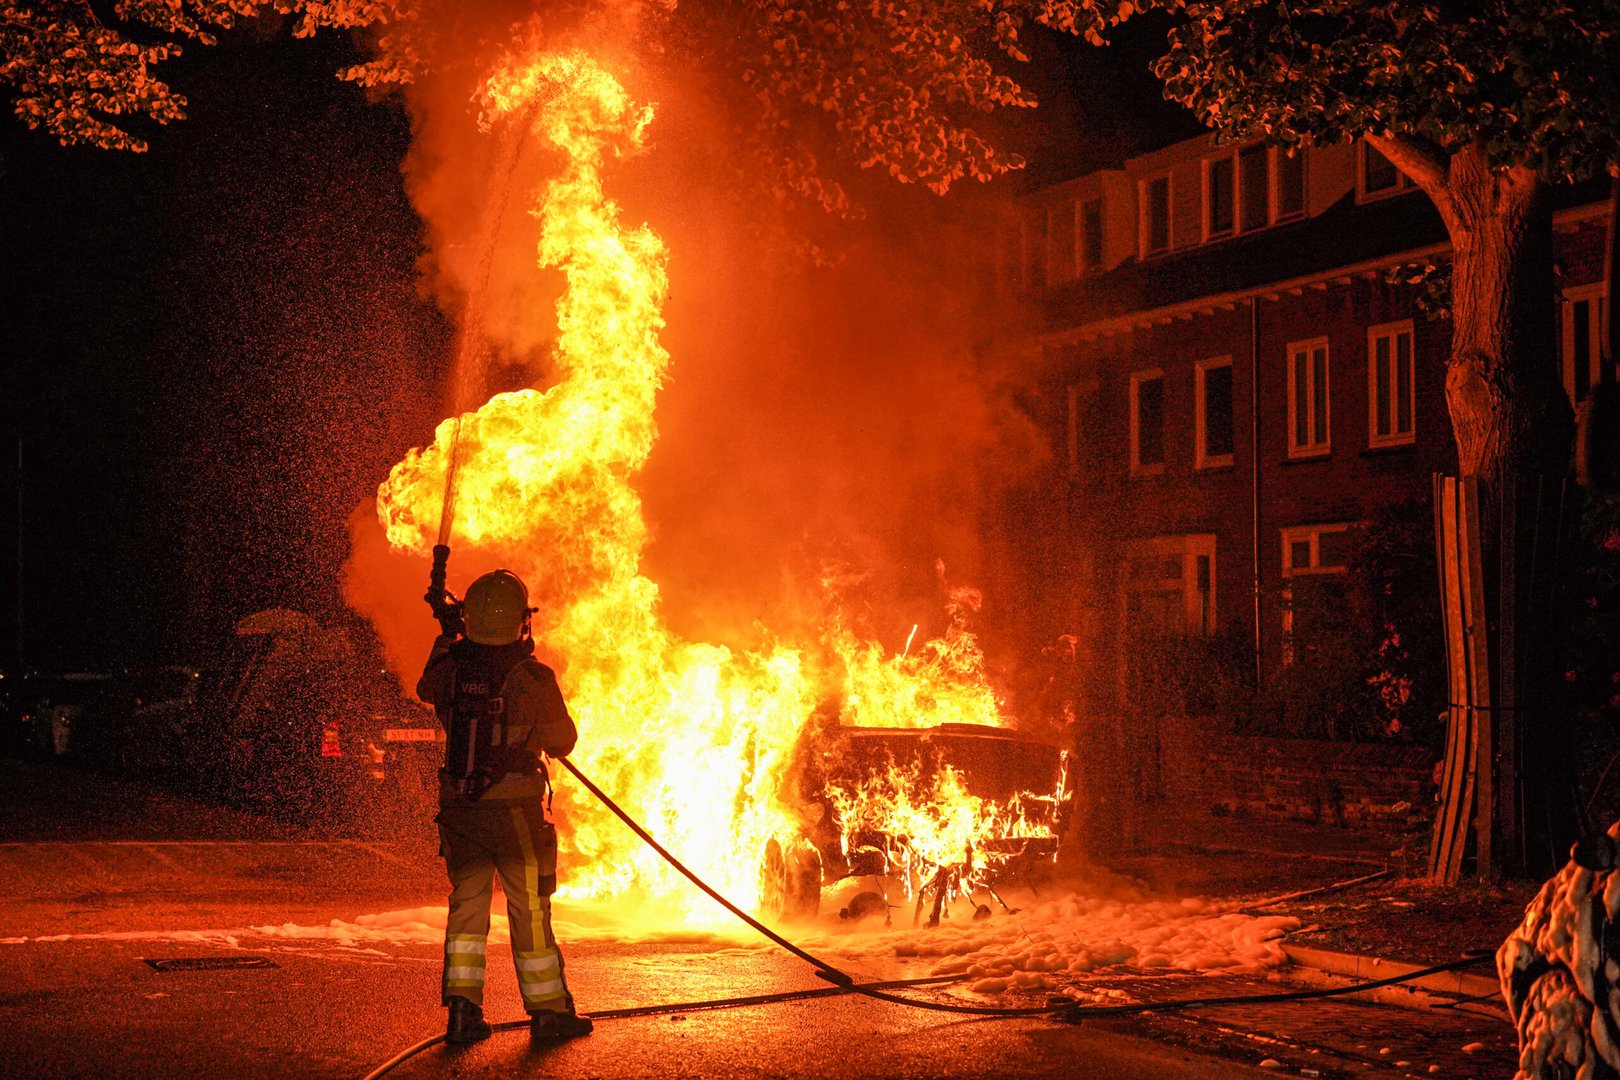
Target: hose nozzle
446	608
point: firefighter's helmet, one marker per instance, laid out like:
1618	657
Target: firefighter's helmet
497	605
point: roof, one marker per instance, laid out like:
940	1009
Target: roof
1348	235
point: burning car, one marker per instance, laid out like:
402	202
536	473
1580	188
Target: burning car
937	813
705	741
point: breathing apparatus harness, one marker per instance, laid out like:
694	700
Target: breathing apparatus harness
476	751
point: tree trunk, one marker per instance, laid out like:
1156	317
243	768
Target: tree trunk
1508	408
1514	430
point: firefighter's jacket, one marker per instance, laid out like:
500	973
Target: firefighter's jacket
534	715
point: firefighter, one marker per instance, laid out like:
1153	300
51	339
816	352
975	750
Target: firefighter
501	709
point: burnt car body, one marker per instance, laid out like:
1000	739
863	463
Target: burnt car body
990	763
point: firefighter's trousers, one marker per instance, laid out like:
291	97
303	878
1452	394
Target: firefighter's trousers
511	838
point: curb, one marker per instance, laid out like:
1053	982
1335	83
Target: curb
1446	987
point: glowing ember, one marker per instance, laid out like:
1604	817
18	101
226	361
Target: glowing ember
696	741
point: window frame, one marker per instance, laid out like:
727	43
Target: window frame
1201	459
1276	216
1230	156
1300	452
1059	264
1597	294
1199	609
1082	265
1392	331
1293	534
1137	378
1290	535
1273	217
1403	183
1142	217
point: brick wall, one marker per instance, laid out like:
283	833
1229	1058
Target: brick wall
1296	779
1108	506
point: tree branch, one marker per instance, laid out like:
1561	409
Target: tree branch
1426	162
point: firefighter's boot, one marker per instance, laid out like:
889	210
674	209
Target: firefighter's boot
550	1026
467	1023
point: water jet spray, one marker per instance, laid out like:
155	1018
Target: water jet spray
469	349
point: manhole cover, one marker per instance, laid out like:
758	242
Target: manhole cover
210	963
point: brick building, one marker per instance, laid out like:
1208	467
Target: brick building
1231	381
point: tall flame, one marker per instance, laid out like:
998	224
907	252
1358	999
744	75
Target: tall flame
694	739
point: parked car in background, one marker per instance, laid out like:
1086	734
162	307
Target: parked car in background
154	714
292	721
62	716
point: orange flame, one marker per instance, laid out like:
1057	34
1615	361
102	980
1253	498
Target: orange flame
940	822
694	739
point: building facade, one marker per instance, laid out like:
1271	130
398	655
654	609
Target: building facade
1239	366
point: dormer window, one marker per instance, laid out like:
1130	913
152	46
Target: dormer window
1289	186
1249	189
1089	213
1155	202
1376	175
1220	196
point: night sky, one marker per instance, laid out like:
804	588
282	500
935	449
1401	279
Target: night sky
207	344
216	349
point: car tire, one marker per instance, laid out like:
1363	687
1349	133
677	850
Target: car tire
790	877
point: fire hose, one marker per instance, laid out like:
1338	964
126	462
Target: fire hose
1067	1011
447	609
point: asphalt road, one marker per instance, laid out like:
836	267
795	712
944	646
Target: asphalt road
154	877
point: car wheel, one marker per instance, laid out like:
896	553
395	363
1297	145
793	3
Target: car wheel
790	880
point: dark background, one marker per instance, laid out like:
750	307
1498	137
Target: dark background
215	350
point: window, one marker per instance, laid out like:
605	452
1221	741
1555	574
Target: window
1311	555
1091	234
1376	175
1315	549
1389	385
1252	188
1059	244
1213	445
1308	398
1014	256
1585	338
1147	423
1155	196
1220	193
1289	170
1169	588
1035	250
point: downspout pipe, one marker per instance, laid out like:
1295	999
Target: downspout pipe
1254	463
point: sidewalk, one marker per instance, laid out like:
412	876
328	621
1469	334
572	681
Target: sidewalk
1451	1025
1398	917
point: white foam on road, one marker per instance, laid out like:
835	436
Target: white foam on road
1041	947
228	939
1064	936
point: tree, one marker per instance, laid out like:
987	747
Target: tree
1483	106
79	74
881	85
